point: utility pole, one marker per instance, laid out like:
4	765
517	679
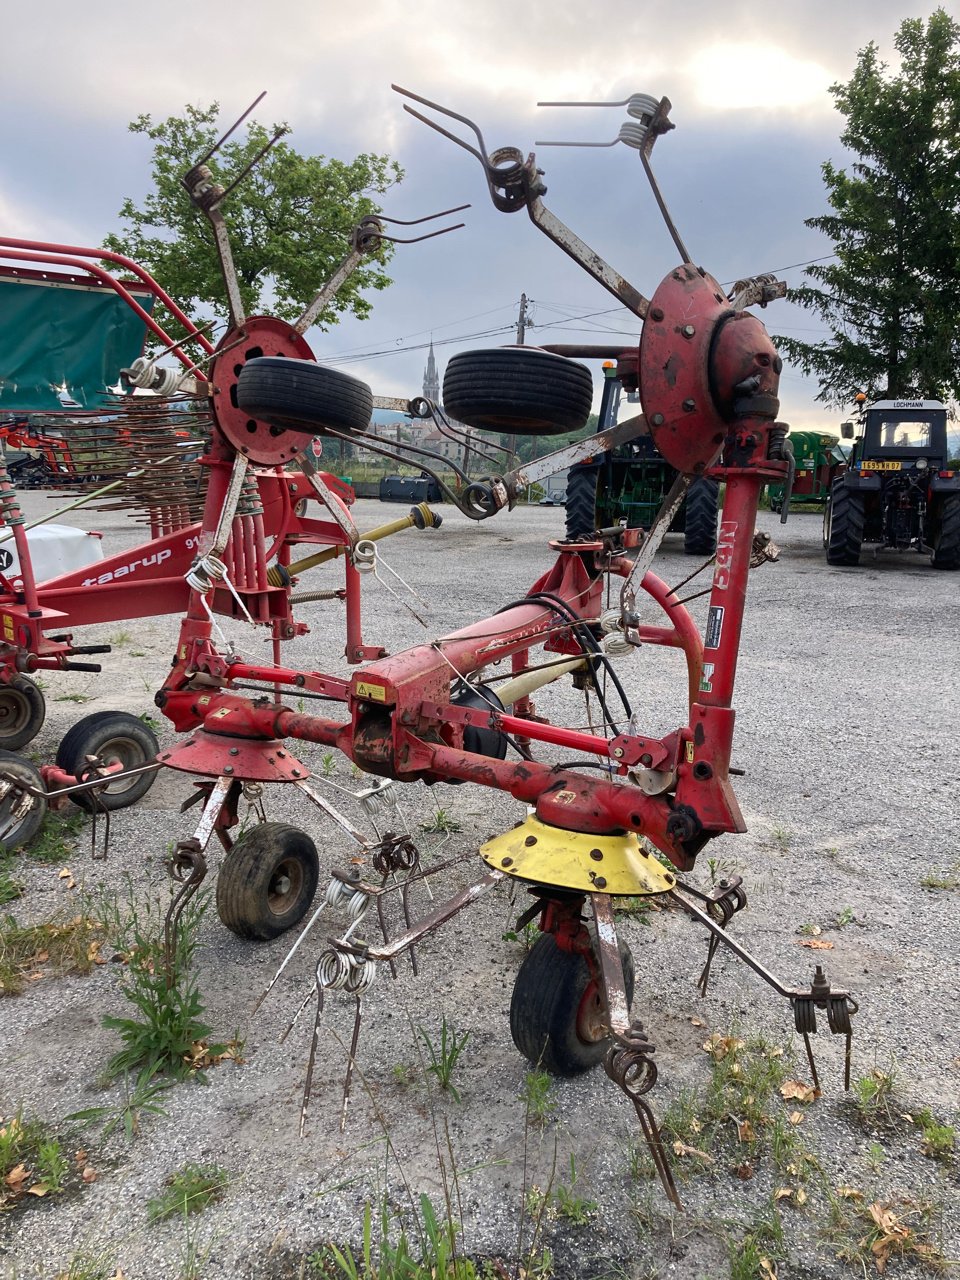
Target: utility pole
522	321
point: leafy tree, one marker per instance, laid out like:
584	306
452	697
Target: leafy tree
289	219
890	298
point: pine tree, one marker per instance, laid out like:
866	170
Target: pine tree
891	297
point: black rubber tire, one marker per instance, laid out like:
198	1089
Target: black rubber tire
109	735
22	712
946	545
300	395
700	528
32	820
552	997
268	881
843	525
519	390
581	504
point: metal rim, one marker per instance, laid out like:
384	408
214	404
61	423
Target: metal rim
592	1026
15	711
127	752
286	885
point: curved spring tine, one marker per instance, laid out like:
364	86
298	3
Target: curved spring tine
413	222
454	115
416	239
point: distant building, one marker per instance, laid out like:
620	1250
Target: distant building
431	378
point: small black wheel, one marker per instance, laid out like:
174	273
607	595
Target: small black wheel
557	1013
22	712
303	396
520	390
268	881
946	543
109	736
700	528
21	814
843	523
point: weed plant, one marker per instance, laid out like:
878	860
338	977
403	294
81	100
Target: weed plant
32	1161
62	944
55	841
189	1190
445	1054
162	1035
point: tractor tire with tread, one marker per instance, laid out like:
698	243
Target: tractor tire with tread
109	735
29	824
556	1009
843	524
518	390
581	503
22	712
268	881
946	547
300	395
700	528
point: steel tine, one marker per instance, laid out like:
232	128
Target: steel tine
453	115
289	956
413	222
233	128
308	1083
296	1017
348	1079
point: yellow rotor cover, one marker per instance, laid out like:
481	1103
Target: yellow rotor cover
561	859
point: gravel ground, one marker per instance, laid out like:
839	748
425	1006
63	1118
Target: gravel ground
846	706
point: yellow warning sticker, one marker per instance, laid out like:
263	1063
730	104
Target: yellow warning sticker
375	692
689	753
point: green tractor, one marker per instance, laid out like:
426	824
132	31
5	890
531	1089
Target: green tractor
817	458
627	486
897	489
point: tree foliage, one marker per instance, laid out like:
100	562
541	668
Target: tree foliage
891	297
289	219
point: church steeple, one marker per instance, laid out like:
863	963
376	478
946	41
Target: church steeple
431	379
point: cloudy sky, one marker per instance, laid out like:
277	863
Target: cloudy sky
740	172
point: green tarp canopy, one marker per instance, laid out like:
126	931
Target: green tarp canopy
64	339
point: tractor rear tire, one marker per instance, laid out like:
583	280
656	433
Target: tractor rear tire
946	545
843	523
556	1012
518	390
700	529
35	807
303	396
581	503
110	736
268	881
22	712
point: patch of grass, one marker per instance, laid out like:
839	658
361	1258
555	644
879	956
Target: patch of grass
525	936
150	721
939	1140
89	1266
570	1205
948	879
875	1156
63	944
10	889
753	1255
872	1099
844	917
445	1054
782	838
328	763
189	1190
870	1235
138	653
538	1097
120	638
74	697
54	842
32	1160
441	823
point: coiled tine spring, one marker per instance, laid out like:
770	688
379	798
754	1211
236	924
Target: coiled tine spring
640	106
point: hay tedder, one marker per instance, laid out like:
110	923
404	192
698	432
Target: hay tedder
611	812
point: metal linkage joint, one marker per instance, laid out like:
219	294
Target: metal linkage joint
839	1007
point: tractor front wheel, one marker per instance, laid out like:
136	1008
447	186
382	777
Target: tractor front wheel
268	881
700	529
558	1016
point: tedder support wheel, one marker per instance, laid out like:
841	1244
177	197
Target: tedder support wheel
843	523
110	736
21	814
303	396
700	529
946	545
22	710
267	883
557	1015
519	390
